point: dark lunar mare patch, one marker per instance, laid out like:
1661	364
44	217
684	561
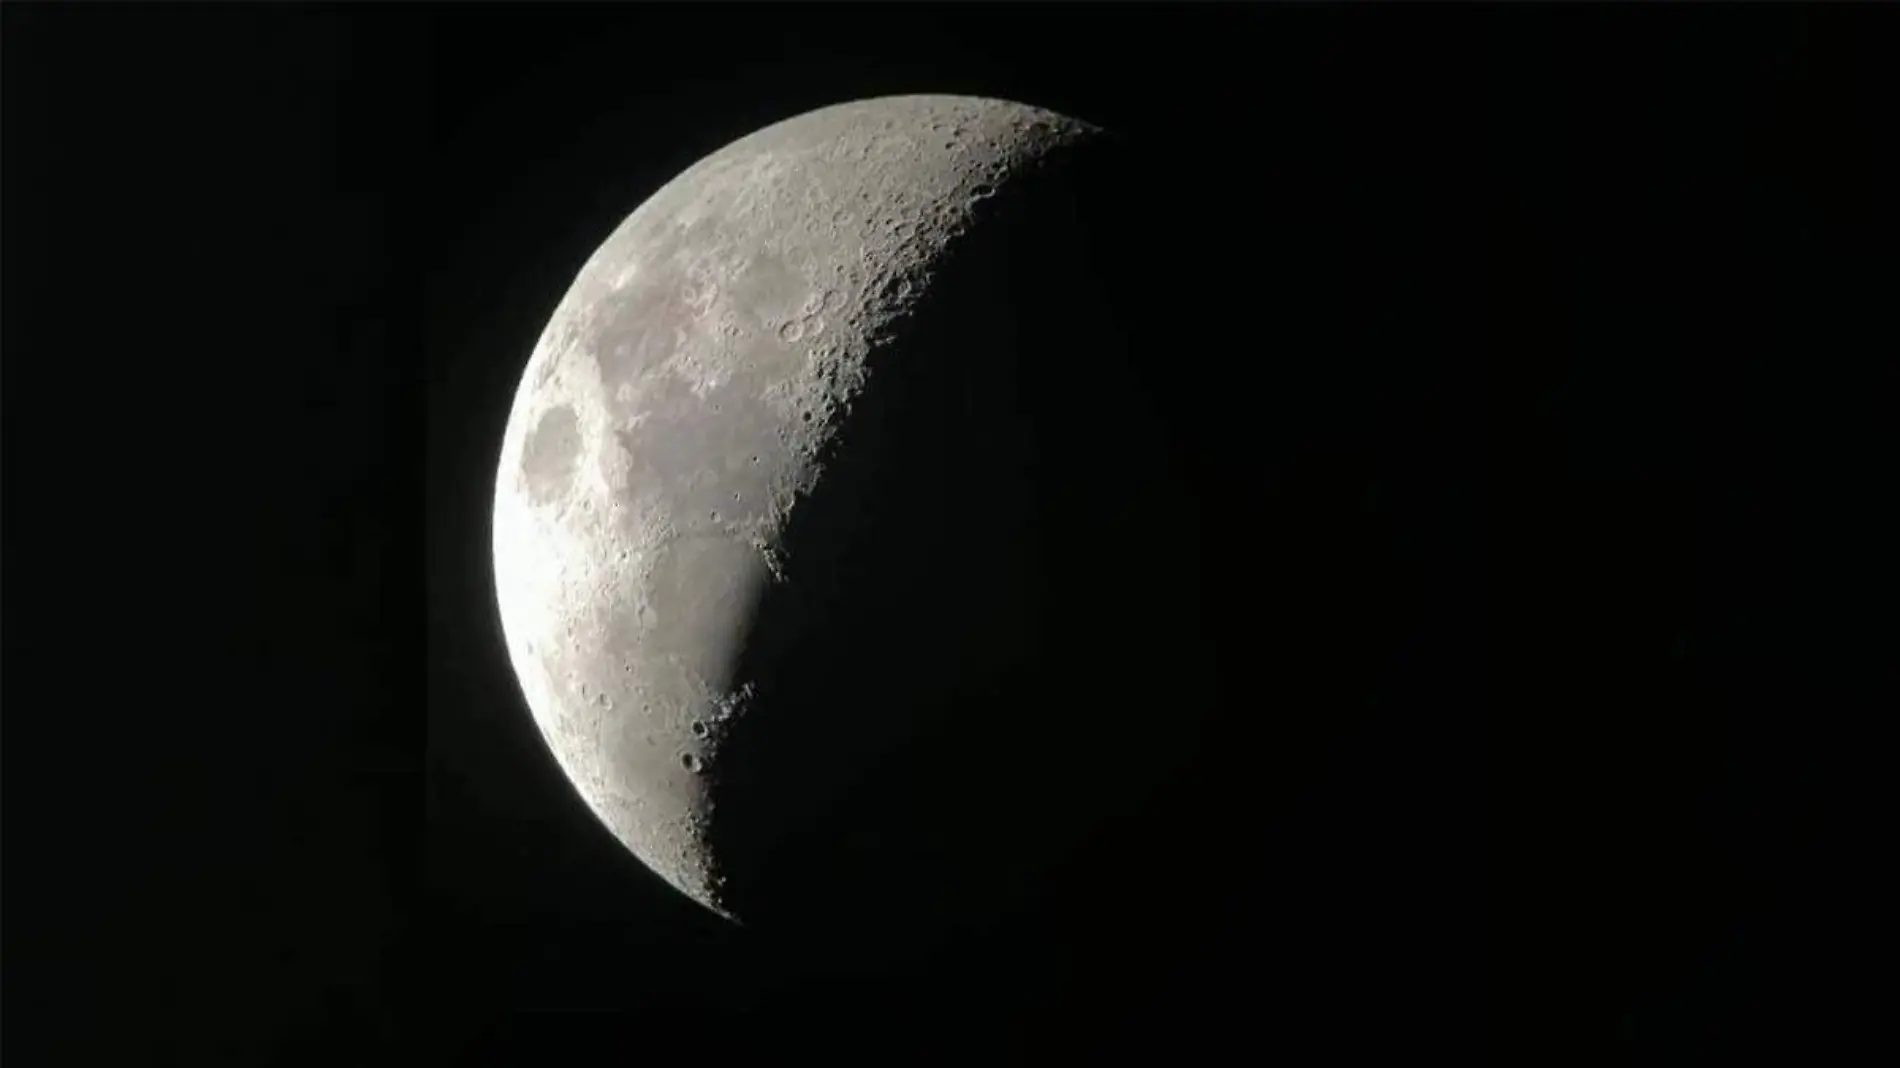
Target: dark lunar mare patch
552	454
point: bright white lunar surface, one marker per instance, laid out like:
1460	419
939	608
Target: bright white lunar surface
675	413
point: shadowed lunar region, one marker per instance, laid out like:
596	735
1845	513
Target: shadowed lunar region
843	552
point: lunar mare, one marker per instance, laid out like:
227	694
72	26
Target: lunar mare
678	407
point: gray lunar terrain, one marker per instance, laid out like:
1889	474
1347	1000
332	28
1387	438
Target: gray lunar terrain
679	407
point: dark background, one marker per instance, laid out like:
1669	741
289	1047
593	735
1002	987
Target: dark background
1540	335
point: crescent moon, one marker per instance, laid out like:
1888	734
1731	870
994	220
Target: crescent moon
677	409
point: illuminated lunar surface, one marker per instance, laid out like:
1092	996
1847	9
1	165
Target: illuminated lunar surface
679	408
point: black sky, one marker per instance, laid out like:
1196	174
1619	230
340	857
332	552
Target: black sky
1545	331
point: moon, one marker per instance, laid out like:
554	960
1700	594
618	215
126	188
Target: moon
681	408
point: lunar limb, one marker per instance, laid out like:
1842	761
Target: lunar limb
678	408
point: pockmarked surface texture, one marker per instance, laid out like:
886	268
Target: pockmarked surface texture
678	408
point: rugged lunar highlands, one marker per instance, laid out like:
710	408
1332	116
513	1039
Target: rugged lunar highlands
684	401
